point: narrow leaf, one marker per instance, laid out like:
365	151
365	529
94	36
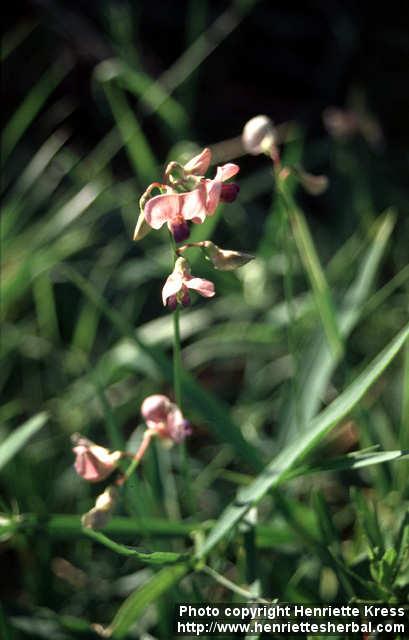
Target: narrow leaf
279	467
20	436
135	605
154	557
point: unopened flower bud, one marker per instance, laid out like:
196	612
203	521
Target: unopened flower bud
100	514
229	192
259	135
164	419
225	259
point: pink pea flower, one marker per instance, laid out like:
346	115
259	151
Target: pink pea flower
92	462
216	191
165	419
177	285
175	209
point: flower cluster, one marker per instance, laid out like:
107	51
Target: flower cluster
94	463
188	196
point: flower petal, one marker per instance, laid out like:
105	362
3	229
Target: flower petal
94	463
155	409
193	204
177	428
161	209
172	286
200	163
213	190
202	286
227	171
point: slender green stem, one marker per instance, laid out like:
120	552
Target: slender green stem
177	386
225	582
177	358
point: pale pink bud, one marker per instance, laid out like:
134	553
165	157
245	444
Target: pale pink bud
165	419
259	135
92	462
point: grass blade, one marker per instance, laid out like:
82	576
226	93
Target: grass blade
313	380
31	105
149	593
20	436
311	262
279	467
139	151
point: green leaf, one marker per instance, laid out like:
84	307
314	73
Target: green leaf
31	105
154	557
354	460
135	605
137	146
20	436
312	381
312	265
278	469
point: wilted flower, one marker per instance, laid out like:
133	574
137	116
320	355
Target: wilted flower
92	462
259	135
165	419
100	514
177	285
225	259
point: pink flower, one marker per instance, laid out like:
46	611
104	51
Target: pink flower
92	462
215	190
175	209
177	285
199	164
165	419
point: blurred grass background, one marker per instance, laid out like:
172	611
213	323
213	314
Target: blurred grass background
96	97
